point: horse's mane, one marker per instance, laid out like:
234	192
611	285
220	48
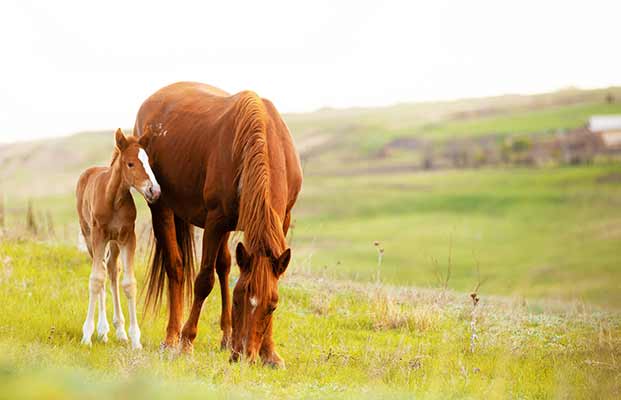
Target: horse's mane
263	234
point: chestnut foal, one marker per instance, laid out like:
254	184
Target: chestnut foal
107	215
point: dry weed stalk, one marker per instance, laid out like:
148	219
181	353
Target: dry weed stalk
380	257
473	315
31	221
50	225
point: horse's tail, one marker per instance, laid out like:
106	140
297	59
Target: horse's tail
159	259
261	225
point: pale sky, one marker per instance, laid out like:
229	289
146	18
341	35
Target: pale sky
69	66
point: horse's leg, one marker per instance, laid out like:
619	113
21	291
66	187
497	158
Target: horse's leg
95	284
113	272
165	234
267	353
212	239
129	287
223	267
102	325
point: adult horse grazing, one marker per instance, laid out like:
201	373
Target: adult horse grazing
107	214
225	163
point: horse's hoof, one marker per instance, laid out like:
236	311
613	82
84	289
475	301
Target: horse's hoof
103	337
274	361
86	342
225	344
276	364
187	347
136	346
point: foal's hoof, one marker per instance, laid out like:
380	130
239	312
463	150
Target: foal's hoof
103	337
136	346
121	335
86	342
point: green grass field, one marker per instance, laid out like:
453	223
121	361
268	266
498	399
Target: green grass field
340	340
543	244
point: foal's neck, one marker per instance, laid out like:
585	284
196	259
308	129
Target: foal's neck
116	189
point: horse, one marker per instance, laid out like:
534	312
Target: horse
226	163
107	215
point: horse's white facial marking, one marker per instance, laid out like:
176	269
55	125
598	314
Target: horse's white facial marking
253	302
144	159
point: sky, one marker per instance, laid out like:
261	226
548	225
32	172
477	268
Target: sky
69	66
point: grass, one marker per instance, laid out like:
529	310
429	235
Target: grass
340	339
550	233
532	232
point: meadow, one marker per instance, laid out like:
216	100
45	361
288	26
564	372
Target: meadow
377	301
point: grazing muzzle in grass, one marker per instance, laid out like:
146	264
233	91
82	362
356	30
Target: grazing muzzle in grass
255	299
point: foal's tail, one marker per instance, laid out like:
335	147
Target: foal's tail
82	243
159	261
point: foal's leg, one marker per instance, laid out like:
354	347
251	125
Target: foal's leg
202	285
102	325
223	267
95	284
129	287
113	272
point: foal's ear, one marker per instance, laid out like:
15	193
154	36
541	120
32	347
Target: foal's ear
282	263
242	257
145	139
121	140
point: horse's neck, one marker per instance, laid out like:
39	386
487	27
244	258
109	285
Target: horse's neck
116	191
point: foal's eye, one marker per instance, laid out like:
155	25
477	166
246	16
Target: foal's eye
270	310
130	164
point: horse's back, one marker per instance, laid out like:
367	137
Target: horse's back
194	125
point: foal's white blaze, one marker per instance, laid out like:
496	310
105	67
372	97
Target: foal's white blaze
144	159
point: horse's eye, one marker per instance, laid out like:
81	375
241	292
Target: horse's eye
130	164
270	310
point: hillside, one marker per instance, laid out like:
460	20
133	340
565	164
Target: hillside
330	139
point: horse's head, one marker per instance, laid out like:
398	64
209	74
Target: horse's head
255	299
134	164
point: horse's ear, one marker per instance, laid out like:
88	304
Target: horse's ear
242	257
282	263
145	139
121	140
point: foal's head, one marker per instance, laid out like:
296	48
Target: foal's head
255	298
131	157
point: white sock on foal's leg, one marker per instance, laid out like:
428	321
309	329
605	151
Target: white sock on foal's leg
95	285
118	320
129	287
102	326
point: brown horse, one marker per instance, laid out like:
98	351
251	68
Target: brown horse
107	214
225	163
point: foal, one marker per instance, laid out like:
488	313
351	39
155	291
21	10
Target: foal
107	215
